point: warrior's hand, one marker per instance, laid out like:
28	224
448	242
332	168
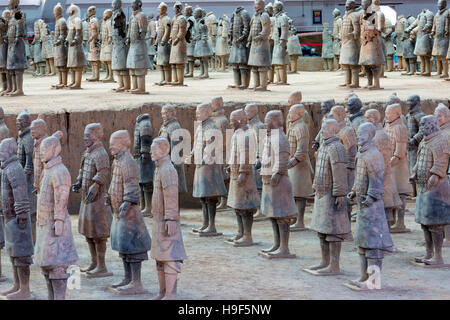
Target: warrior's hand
21	220
275	179
241	179
123	209
432	181
35	191
368	201
351	195
258	164
249	44
412	179
394	161
145	157
258	38
73	43
28	172
412	142
175	42
76	187
127	41
171	227
107	200
340	202
292	163
59	227
92	192
315	145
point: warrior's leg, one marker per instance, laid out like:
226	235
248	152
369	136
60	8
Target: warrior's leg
255	78
205	63
301	206
247	219
271	74
52	66
446	239
147	188
427	66
72	78
363	263
245	76
180	74
240	224
437	235
4	82
428	245
100	249
51	295
126	80
390	63
376	77
325	252
335	254
283	225
120	82
276	236
161	280
408	69
173	68
438	66
262	80
369	73
16	286
444	68
400	219
23	272
93	252
135	286
127	276
347	76
171	270
211	203
205	216
236	76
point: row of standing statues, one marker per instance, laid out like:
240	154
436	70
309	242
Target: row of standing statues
361	161
263	45
364	42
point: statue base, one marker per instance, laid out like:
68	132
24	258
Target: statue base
317	273
243	244
205	234
395	230
97	275
269	255
429	266
118	291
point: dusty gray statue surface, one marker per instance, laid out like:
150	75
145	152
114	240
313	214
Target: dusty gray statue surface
350	35
202	50
129	235
94	43
327	47
5	76
106	45
94	220
61	30
280	35
330	219
162	41
76	59
119	47
168	248
440	33
178	32
277	201
190	41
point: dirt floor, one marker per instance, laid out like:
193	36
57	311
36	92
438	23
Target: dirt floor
215	270
315	86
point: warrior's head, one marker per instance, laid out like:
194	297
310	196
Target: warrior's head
93	132
160	148
119	141
393	99
338	113
23	120
187	10
295	98
136	5
273	120
8	148
350	5
429	125
50	147
168	112
326	106
58	10
91	11
373	116
38	128
238	119
393	112
13	4
203	111
330	128
251	110
366	132
442	4
413	101
73	11
277	6
162	9
297	111
216	104
354	104
177	7
336	12
107	14
116	4
365	4
442	113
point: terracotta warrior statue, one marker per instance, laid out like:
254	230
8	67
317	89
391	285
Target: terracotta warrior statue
151	39
221	121
190	41
60	47
129	235
16	61
433	189
168	248
25	145
4	133
239	31
415	136
39	61
162	41
293	47
94	43
212	23
106	47
391	199
372	232
327	47
299	165
325	108
243	195
424	46
47	49
350	37
169	131
337	31
222	50
409	43
347	137
178	32
119	47
371	55
258	42
208	183
387	35
400	36
442	113
398	133
94	221
76	60
440	33
16	212
55	248
5	78
257	128
38	131
280	34
269	10
137	58
143	134
202	50
330	219
354	106
277	200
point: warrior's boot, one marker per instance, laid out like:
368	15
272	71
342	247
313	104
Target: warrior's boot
2	278
205	70
77	84
140	89
390	63
276	71
147	211
109	73
47	67
93	252
72	78
354	78
399	225
162	71
237	79
223	203
4	83
363	270
240	224
412	66
186	69
179	75
438	239
271	74
283	250
126	82
135	286
444	69
59	288
95	71
16	286
445	244
18	81
100	271
24	284
247	219
205	216
52	67
171	286
283	72
190	69
43	71
223	63
127	276
428	247
174	74
51	295
335	253
408	69
245	76
141	200
427	67
133	83
120	82
256	82
301	206
369	73
211	204
161	281
263	81
376	78
347	77
276	237
293	64
325	251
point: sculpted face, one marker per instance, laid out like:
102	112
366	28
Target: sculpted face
371	117
37	130
258	5
273	120
116	4
91	12
107	14
442	114
188	11
13	4
159	149
442	4
295	98
21	123
365	4
236	120
349	5
296	112
115	145
428	125
136	5
202	113
329	129
167	113
412	101
177	8
197	13
391	114
88	138
363	137
354	105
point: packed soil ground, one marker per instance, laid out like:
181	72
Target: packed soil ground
215	270
315	86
